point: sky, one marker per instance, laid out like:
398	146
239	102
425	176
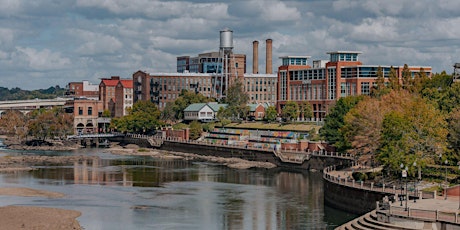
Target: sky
46	43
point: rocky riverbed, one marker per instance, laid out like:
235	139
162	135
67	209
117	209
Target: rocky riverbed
237	163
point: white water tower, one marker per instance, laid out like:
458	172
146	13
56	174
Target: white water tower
225	51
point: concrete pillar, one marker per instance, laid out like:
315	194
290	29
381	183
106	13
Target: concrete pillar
268	62
255	57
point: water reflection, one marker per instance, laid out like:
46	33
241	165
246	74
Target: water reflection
144	193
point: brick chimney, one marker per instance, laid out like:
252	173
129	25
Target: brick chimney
268	62
255	57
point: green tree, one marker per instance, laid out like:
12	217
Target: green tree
334	121
305	110
174	111
406	78
270	114
290	111
237	101
106	113
393	80
454	133
380	88
195	130
393	149
143	118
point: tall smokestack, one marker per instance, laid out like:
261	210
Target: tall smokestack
255	57
268	62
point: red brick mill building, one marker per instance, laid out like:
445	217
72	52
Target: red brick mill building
326	81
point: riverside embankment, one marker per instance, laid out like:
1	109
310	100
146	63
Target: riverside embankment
382	207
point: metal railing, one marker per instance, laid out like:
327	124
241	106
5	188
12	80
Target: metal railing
297	157
423	214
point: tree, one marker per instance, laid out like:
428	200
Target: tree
174	111
237	101
379	89
306	110
51	123
424	133
407	78
270	114
393	80
392	148
106	113
13	122
195	130
454	132
143	118
290	111
335	120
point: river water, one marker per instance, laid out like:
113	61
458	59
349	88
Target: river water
123	192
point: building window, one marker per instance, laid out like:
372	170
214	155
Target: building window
90	111
80	111
365	90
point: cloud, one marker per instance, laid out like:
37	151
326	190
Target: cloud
159	9
40	60
97	43
62	41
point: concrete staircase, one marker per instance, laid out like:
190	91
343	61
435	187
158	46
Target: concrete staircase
369	221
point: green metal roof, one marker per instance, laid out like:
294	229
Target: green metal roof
195	107
252	107
215	107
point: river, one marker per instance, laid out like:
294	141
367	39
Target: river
125	192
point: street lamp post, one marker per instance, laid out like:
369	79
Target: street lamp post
405	175
445	187
400	184
415	183
458	163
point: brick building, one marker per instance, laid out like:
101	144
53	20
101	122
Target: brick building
324	83
82	89
107	92
123	97
86	115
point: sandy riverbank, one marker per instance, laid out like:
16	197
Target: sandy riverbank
31	217
237	163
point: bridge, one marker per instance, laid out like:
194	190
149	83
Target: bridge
26	106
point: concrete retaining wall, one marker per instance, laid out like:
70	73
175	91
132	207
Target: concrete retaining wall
314	163
350	199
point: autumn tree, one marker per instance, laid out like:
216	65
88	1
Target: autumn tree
424	128
13	122
50	123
